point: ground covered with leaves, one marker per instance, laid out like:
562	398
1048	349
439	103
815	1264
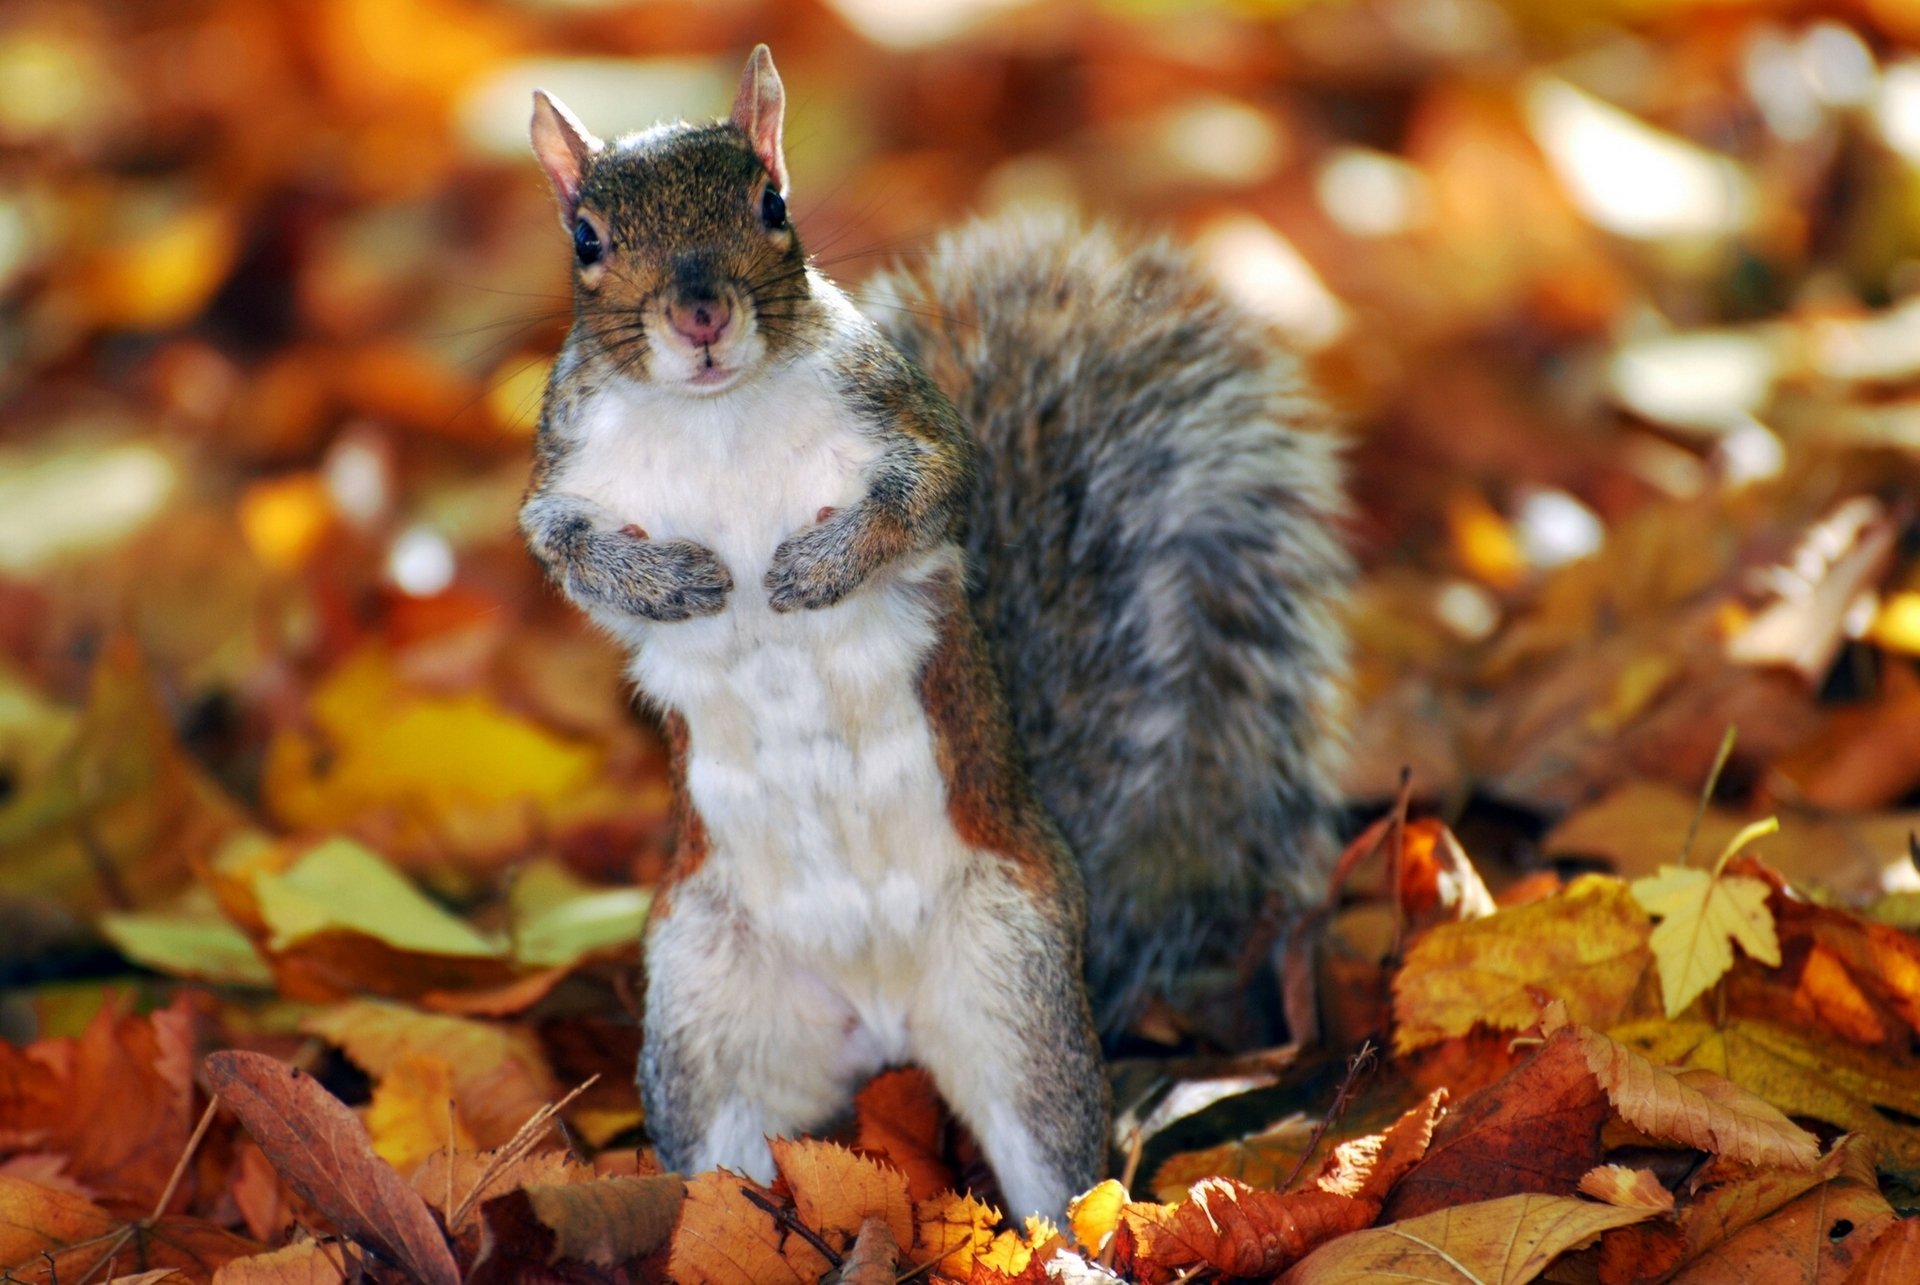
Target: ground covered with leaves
327	832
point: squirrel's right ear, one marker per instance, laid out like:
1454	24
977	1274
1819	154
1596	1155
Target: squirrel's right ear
563	147
759	109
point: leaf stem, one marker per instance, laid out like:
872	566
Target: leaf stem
1758	830
1720	758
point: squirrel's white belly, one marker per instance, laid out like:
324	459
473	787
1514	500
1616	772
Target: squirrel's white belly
811	761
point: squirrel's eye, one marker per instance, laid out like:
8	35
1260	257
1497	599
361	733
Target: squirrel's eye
773	209
586	243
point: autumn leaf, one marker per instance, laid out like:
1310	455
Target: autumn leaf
1892	1259
1817	1237
1701	913
1229	1227
835	1191
1696	1107
725	1239
952	1231
1369	1167
324	1153
1537	1130
413	1114
898	1115
1627	1188
1498	1242
304	1262
1587	946
602	1223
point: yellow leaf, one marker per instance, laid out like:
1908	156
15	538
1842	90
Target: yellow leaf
1493	1241
189	940
1586	945
339	884
431	772
834	1190
557	918
1801	1074
412	1114
499	1075
1094	1214
1700	915
951	1231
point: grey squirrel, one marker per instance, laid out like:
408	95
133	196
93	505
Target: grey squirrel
1065	467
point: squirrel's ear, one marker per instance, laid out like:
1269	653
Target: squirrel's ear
759	109
563	147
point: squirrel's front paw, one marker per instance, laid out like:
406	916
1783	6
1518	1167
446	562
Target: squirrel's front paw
653	579
814	568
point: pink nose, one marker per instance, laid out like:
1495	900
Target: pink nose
700	322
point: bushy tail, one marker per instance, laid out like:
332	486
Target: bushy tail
1159	569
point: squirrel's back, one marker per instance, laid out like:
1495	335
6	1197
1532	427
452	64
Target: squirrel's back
1158	567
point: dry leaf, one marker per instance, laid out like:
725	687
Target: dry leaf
304	1262
1494	1242
835	1191
323	1152
1701	913
725	1239
1627	1188
1586	946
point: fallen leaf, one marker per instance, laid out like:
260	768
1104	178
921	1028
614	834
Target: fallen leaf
1229	1227
323	1152
1586	946
898	1115
1369	1167
835	1191
725	1239
1696	1108
1701	913
1815	1238
952	1231
1892	1259
305	1262
558	919
1627	1188
1492	1242
499	1075
874	1258
1537	1130
413	1114
1094	1215
601	1223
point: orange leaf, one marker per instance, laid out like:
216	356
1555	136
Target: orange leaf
1627	1188
1227	1226
898	1115
305	1262
952	1230
725	1239
834	1190
1369	1167
1893	1259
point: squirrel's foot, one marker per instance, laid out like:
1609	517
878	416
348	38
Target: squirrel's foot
661	580
815	567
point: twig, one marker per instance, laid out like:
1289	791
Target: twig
516	1149
132	1229
1358	1063
792	1222
1135	1145
1706	791
1397	860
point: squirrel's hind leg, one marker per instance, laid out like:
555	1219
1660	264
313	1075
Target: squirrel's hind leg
1001	1022
739	1046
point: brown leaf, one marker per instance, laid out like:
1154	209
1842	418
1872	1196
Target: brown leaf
1495	1242
602	1223
1537	1130
1369	1167
305	1263
1816	1238
874	1258
1893	1259
323	1152
1235	1230
1696	1107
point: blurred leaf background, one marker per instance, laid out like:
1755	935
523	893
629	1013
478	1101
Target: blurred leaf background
1620	300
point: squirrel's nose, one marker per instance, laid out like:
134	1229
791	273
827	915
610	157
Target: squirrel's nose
699	321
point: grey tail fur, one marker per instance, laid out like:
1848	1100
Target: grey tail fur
1159	569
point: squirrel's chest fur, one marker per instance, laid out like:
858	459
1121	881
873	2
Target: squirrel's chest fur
810	757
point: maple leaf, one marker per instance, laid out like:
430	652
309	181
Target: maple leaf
1702	912
1586	946
1496	1242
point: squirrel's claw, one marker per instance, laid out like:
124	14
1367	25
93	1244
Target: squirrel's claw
811	569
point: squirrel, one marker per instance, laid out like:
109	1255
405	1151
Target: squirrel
1064	469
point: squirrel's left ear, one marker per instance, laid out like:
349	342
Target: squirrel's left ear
759	109
563	147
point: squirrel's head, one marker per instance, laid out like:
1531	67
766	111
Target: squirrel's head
687	272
